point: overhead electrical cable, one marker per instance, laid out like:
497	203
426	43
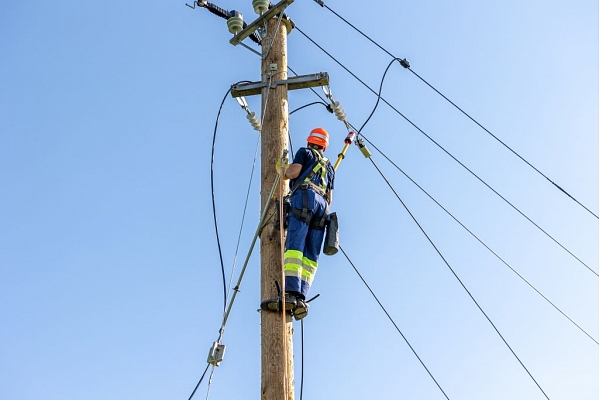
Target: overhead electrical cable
237	246
199	382
212	191
477	238
505	145
210	378
309	104
261	224
322	4
392	321
298	109
457	277
301	357
447	152
463	226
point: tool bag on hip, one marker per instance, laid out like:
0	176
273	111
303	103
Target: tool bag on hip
331	244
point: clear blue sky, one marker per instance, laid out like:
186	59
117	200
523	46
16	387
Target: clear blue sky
110	279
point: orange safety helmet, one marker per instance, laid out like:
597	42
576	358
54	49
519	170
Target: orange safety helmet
319	136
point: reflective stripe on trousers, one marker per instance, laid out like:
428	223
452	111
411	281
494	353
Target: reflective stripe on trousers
300	269
303	244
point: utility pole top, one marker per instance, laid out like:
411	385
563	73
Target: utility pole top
248	30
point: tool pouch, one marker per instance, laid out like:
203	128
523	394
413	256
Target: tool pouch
286	210
331	245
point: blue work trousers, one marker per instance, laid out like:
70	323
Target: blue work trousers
303	243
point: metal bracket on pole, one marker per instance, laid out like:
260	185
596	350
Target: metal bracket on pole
247	31
293	83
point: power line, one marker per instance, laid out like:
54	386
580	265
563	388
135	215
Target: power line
199	382
457	278
393	322
243	215
212	191
453	217
447	152
322	4
478	239
301	357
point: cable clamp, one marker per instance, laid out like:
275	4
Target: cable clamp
216	354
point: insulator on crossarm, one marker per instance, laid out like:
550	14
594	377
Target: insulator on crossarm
254	121
260	6
338	110
235	22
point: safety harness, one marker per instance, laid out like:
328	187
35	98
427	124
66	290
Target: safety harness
304	214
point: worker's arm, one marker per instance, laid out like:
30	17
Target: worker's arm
329	196
293	171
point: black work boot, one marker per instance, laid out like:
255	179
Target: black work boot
301	309
275	303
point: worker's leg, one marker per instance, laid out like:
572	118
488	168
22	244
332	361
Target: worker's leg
294	245
312	249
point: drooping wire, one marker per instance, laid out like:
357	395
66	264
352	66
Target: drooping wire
210	378
392	321
467	229
301	357
212	191
199	382
379	97
298	109
243	217
457	277
458	221
478	239
227	310
309	104
322	4
463	226
505	145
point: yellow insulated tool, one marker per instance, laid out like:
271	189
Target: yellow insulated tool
348	141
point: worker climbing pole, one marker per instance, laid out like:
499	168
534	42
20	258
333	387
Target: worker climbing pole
276	341
276	327
312	180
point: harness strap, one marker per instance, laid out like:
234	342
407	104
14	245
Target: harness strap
307	216
303	214
320	167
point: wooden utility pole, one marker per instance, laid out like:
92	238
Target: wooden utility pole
277	350
277	358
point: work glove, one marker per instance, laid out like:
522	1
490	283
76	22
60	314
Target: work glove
279	168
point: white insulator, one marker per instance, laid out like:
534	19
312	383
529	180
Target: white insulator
338	110
260	6
254	121
235	23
